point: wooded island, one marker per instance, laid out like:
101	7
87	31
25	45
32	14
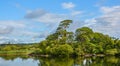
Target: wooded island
63	42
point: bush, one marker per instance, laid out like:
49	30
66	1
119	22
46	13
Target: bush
78	51
62	50
111	51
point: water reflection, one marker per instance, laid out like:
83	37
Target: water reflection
80	61
17	61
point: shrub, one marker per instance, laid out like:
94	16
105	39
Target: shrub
63	50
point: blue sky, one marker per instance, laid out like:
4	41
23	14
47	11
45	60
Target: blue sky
29	21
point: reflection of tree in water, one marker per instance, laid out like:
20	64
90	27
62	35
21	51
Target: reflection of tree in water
87	62
80	61
5	57
106	61
13	57
56	62
112	61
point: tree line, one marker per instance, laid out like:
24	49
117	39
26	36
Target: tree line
67	43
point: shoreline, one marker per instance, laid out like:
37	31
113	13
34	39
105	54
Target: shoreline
86	55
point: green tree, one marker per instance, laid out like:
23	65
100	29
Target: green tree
62	32
7	48
63	50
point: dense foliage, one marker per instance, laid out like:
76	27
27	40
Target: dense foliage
17	49
81	42
65	43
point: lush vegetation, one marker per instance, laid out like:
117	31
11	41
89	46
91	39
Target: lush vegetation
17	49
64	42
81	42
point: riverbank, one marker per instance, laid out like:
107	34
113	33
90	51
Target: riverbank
86	55
30	53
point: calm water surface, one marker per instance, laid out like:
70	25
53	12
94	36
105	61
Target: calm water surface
80	61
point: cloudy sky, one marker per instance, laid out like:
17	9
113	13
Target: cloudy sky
29	21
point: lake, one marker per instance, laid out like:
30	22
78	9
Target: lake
79	61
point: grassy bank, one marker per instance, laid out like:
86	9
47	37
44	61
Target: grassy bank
16	52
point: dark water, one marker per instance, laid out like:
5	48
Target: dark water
80	61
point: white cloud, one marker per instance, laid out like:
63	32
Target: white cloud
40	15
16	24
107	10
7	27
28	33
50	18
10	30
68	5
34	14
111	15
89	22
3	37
17	31
74	13
108	22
